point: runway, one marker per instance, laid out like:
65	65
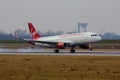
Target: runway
30	51
80	53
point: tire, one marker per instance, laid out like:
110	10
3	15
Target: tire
56	50
90	49
72	50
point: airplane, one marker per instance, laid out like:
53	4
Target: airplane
83	40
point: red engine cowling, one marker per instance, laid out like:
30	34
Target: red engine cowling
84	46
60	45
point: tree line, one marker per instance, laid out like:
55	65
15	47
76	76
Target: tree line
24	34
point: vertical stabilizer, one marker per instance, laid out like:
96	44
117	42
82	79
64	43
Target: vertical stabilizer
33	33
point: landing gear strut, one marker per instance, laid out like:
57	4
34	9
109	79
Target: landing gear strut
90	47
56	51
72	49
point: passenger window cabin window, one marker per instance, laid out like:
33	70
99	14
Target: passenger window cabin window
94	35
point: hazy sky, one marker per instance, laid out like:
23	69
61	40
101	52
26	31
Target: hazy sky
60	15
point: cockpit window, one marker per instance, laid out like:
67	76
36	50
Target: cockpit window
94	35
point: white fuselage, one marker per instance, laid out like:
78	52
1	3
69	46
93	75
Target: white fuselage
75	39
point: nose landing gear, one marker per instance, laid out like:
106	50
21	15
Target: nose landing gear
90	47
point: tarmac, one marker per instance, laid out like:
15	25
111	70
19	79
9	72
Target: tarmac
51	52
79	52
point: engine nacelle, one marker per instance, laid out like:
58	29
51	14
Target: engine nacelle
60	45
84	46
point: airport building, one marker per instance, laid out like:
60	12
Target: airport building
82	27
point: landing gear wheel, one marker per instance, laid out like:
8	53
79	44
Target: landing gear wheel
56	50
90	49
72	50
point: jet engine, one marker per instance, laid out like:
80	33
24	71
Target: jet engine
60	45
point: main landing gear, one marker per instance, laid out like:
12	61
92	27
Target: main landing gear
71	51
56	50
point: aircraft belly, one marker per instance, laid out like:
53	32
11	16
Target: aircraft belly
81	40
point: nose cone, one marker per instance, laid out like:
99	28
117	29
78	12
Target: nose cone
99	38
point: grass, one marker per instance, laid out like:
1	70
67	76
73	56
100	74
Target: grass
36	67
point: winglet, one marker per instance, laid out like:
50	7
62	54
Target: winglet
33	33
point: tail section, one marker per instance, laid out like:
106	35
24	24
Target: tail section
33	32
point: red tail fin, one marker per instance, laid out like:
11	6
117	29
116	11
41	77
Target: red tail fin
33	32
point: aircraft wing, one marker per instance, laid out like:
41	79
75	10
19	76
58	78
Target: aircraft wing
49	42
